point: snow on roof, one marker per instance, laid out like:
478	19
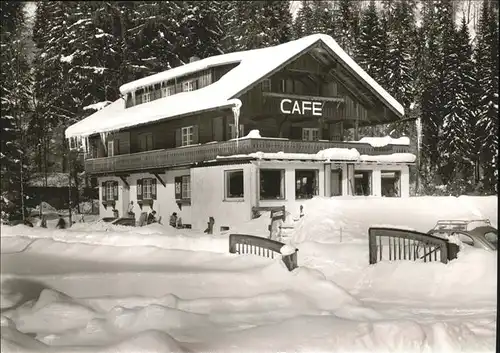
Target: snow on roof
330	154
253	66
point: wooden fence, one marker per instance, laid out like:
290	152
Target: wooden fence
249	244
401	244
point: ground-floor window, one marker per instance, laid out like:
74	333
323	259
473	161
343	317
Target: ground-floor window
363	182
336	182
391	183
306	184
183	187
234	184
272	184
110	190
146	189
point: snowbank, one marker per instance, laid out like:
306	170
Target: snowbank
325	217
158	289
384	141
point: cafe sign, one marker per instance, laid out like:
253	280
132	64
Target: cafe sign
301	107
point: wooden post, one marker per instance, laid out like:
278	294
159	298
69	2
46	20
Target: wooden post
356	130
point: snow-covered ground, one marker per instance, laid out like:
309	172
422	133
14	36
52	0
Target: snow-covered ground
101	288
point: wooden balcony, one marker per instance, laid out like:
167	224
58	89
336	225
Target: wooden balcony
165	158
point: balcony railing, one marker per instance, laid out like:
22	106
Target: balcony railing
198	153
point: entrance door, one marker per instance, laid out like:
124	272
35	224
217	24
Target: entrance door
336	182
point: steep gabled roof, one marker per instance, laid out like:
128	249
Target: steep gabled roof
252	66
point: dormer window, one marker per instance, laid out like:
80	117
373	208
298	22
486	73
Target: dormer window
168	91
188	86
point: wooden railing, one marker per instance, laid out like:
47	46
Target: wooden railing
249	244
400	244
206	152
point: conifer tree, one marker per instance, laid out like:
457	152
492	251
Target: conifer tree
347	24
323	18
261	24
455	145
304	22
15	108
370	54
486	58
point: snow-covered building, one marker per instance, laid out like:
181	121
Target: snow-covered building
249	130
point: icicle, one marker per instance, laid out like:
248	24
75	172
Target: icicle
104	136
236	114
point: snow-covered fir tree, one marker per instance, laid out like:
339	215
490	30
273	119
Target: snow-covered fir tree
201	30
347	24
486	58
304	22
436	18
260	24
14	110
456	145
323	18
370	54
401	53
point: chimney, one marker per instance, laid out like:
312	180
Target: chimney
193	59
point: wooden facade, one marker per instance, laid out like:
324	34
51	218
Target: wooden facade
310	92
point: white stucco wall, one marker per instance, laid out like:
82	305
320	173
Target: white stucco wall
207	196
165	203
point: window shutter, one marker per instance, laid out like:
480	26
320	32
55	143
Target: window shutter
195	134
178	188
103	185
178	88
115	190
153	189
178	137
242	130
139	189
116	146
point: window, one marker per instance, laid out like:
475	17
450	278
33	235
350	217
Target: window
306	184
110	190
146	141
266	85
168	91
362	182
146	97
232	131
146	189
111	148
188	86
187	135
390	183
234	184
310	134
183	187
336	182
272	184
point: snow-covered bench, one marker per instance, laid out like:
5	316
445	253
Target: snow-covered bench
249	244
